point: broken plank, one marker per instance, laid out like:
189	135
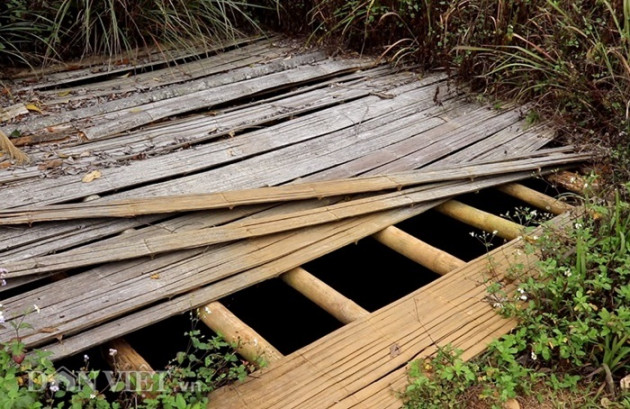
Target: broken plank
299	191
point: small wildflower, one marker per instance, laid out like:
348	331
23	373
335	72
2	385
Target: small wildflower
523	297
534	356
53	387
495	232
92	396
112	352
207	310
578	226
567	273
472	234
36	308
520	290
86	357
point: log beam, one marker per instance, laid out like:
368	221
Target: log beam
326	297
417	250
250	345
482	220
535	198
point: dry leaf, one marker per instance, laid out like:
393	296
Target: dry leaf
33	107
135	110
96	174
63	93
51	164
49	330
155	276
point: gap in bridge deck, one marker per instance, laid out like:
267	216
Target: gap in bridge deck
284	317
370	274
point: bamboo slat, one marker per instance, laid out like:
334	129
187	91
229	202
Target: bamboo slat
326	297
127	248
301	191
249	344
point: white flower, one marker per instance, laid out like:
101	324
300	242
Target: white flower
578	225
534	356
92	396
53	388
567	273
112	352
37	310
520	290
495	232
472	234
86	357
3	282
523	297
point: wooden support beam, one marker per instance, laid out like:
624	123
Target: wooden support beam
123	357
326	297
250	345
417	250
482	220
535	198
131	366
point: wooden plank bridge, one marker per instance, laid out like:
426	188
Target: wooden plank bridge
157	188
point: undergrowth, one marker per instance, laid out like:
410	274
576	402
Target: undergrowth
572	344
568	57
39	31
31	380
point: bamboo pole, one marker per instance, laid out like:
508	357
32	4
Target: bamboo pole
481	220
414	249
134	370
123	357
250	345
326	297
535	198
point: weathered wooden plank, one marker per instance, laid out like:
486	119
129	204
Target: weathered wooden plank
10	112
96	67
131	118
165	137
234	176
300	191
249	55
177	90
369	114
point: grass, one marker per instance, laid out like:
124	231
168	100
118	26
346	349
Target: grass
572	345
568	57
37	31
